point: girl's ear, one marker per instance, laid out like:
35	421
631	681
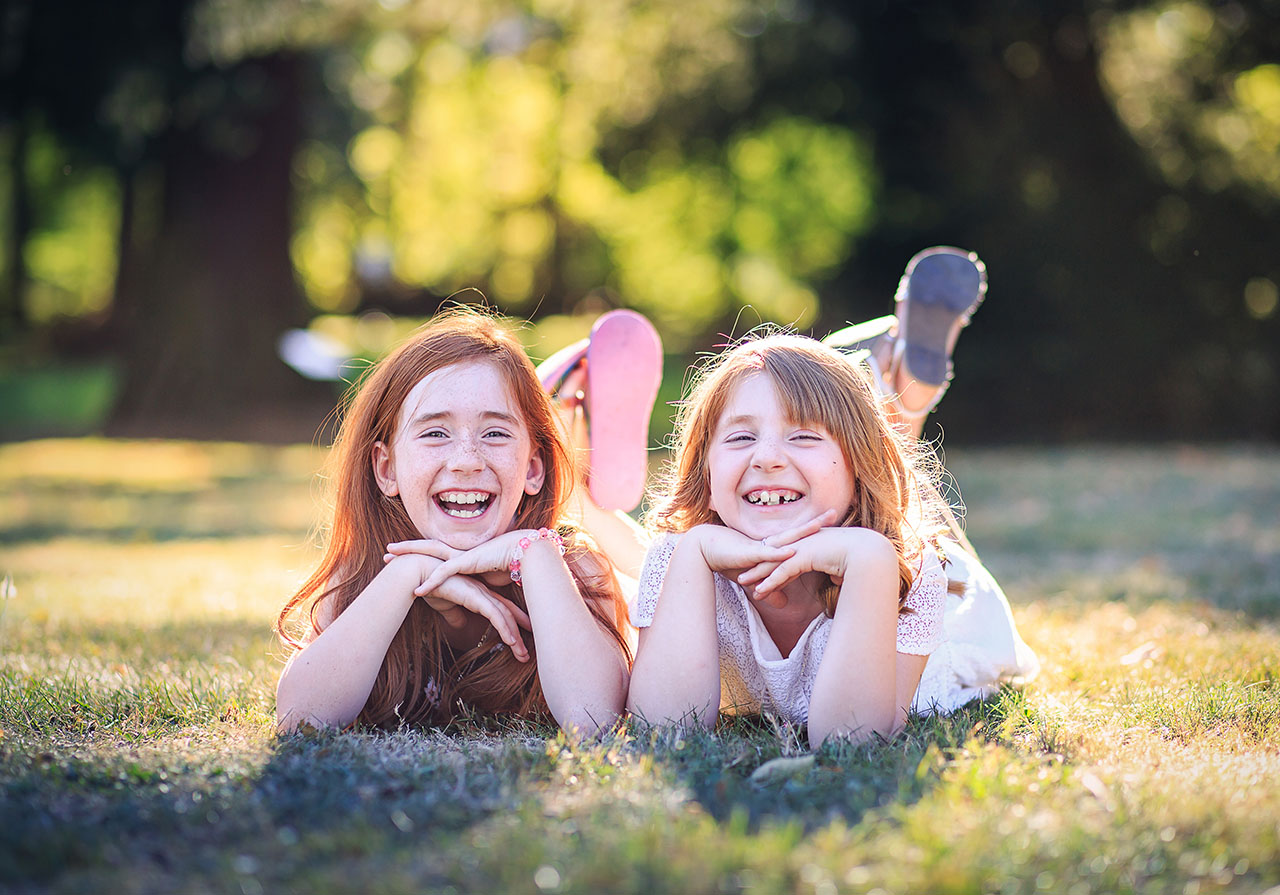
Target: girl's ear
384	470
536	474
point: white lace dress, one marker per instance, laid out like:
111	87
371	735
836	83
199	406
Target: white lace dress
971	642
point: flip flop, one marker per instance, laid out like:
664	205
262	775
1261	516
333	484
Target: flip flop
624	370
940	290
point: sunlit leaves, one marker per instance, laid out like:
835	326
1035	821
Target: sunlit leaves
1166	68
71	258
488	171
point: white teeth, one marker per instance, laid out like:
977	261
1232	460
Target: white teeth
462	504
464	496
772	498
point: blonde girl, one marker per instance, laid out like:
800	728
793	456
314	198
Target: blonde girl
802	565
448	583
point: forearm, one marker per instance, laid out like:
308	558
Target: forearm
328	682
855	692
581	667
677	671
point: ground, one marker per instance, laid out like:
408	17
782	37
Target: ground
137	670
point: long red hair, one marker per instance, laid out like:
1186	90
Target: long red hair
421	680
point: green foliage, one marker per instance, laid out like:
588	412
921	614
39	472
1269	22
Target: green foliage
481	164
70	252
1200	113
67	398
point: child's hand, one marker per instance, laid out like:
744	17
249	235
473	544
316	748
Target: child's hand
730	552
831	551
490	560
455	593
787	539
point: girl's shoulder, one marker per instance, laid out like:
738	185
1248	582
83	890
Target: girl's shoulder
652	573
660	551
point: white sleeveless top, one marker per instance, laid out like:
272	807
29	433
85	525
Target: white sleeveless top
754	676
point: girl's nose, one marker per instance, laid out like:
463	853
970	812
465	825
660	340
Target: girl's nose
768	454
465	456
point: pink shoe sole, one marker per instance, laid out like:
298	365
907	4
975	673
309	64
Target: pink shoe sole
624	370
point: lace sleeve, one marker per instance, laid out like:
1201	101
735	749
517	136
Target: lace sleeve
920	631
652	574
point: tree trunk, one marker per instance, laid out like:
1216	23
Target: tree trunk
209	296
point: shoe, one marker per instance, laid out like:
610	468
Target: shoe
862	336
937	295
623	355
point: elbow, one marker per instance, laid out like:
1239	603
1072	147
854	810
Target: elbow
877	724
589	724
294	711
592	714
659	712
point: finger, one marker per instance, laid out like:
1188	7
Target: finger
775	598
504	622
813	526
757	573
426	547
443	573
783	574
521	617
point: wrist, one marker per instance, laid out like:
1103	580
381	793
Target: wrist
536	541
402	574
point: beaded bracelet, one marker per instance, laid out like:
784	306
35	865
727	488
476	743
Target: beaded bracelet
542	534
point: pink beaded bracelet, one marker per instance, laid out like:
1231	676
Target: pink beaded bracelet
542	534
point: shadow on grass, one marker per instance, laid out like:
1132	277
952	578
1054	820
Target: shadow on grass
272	813
730	773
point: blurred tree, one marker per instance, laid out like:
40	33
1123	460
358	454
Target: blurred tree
480	160
1112	161
1130	297
202	151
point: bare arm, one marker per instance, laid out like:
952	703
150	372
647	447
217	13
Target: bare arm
856	693
328	682
677	671
582	668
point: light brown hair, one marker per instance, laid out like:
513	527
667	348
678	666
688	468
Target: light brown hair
421	680
893	478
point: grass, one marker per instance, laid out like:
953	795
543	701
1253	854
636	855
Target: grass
137	752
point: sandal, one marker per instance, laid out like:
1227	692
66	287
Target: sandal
623	355
940	290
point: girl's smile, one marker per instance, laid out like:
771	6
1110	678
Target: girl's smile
461	459
769	473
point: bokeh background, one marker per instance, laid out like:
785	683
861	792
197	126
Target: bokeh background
190	180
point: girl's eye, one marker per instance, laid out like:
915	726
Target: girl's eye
434	433
807	436
497	434
739	437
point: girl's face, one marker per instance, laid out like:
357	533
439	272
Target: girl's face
769	474
461	458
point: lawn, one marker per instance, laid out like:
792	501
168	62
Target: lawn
136	688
